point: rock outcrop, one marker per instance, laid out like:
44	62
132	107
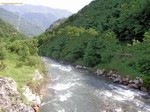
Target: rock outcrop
10	98
33	90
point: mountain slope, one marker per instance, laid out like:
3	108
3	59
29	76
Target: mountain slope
7	32
129	19
21	24
106	34
42	20
40	16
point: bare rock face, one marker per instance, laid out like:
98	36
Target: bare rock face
10	98
34	98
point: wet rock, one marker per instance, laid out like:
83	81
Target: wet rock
79	66
117	80
143	89
125	81
133	86
84	67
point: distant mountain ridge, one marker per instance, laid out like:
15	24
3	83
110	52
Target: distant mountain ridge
19	23
38	16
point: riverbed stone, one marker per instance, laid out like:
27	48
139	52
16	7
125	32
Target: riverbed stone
79	66
125	83
136	81
117	80
125	79
100	72
109	73
133	86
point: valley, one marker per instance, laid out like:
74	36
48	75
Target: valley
95	60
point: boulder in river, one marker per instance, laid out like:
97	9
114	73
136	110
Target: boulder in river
109	73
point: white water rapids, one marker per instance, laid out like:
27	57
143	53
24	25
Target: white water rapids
76	90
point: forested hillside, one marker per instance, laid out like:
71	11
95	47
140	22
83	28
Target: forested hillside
18	55
110	34
128	19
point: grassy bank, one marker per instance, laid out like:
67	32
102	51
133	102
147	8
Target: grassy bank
20	74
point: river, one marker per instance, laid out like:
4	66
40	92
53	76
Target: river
76	90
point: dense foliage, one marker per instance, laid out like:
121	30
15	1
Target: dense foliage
110	34
18	55
129	19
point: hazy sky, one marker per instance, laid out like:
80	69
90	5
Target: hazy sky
71	5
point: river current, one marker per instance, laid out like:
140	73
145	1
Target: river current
78	90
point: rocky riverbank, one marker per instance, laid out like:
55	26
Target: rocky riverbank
136	83
11	100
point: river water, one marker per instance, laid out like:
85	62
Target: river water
76	90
